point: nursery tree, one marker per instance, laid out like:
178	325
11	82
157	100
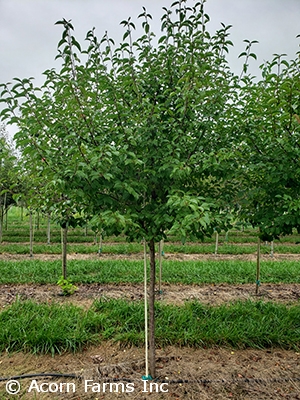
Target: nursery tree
139	134
8	175
272	148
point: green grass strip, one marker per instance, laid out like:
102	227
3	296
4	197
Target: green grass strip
51	328
43	328
133	248
128	271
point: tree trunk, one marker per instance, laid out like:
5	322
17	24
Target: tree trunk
146	314
30	235
38	221
160	253
100	245
272	249
258	267
5	210
151	310
217	243
1	220
49	229
64	236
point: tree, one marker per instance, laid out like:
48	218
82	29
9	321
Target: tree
8	175
137	135
272	148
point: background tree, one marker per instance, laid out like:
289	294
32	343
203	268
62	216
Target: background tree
8	175
272	148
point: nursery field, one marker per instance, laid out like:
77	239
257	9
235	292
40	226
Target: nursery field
216	337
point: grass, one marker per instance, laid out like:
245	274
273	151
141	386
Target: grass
128	271
51	328
42	328
134	248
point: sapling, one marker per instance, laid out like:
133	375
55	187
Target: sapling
67	286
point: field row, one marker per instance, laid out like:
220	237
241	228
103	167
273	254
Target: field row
131	271
135	248
54	328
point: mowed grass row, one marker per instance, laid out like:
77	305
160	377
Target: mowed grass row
53	328
134	248
128	271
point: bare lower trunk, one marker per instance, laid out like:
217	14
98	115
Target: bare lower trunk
5	211
151	310
38	221
64	234
160	253
217	243
30	235
258	267
1	221
49	229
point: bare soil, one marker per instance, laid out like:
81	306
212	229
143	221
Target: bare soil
190	374
139	256
215	373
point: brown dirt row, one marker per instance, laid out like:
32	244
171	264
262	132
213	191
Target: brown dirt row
139	256
171	294
206	373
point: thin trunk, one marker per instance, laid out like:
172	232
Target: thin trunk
217	243
64	240
151	310
22	213
5	211
272	249
1	221
31	233
49	229
146	314
100	245
258	267
160	253
226	236
38	221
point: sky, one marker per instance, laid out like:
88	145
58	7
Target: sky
29	38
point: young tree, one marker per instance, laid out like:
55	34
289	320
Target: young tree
271	149
8	176
138	135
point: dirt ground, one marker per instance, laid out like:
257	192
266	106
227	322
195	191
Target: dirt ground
189	374
182	373
139	256
170	294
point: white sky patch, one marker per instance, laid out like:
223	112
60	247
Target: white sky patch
28	37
